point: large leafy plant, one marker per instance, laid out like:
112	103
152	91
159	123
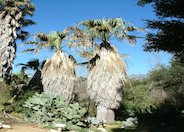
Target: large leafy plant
47	110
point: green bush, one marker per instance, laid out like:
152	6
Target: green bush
82	97
136	98
46	110
21	98
5	98
19	87
171	80
4	92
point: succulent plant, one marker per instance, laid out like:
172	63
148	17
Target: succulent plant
48	110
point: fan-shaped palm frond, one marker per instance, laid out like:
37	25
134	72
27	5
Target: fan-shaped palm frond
51	41
32	64
78	38
107	28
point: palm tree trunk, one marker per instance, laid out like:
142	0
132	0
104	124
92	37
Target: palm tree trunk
58	76
105	80
101	113
104	114
35	81
8	34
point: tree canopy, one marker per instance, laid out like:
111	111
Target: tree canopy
25	7
169	27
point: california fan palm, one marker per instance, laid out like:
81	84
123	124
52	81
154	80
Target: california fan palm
12	20
107	72
58	73
36	66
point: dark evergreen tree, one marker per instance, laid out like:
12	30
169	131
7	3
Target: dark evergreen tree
168	30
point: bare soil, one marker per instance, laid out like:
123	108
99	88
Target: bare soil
24	128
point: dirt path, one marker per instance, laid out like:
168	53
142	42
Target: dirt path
24	128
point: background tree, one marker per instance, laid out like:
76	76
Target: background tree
170	79
58	73
12	19
136	98
169	27
36	66
107	72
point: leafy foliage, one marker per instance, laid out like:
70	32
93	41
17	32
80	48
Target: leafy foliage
47	110
169	27
18	81
10	93
171	79
18	91
136	97
94	122
82	97
4	95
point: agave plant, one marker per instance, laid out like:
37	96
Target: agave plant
58	73
12	19
107	72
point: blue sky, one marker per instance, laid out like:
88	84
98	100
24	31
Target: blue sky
52	15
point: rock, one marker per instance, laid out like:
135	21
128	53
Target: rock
6	126
60	127
1	125
127	124
130	122
102	129
131	119
52	130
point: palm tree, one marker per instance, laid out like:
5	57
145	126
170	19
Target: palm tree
107	72
36	66
12	20
58	73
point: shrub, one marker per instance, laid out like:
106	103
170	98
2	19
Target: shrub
46	110
23	89
82	97
4	92
171	80
136	99
5	97
21	98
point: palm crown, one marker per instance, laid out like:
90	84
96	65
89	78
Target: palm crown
52	41
87	33
18	9
108	28
32	64
17	5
